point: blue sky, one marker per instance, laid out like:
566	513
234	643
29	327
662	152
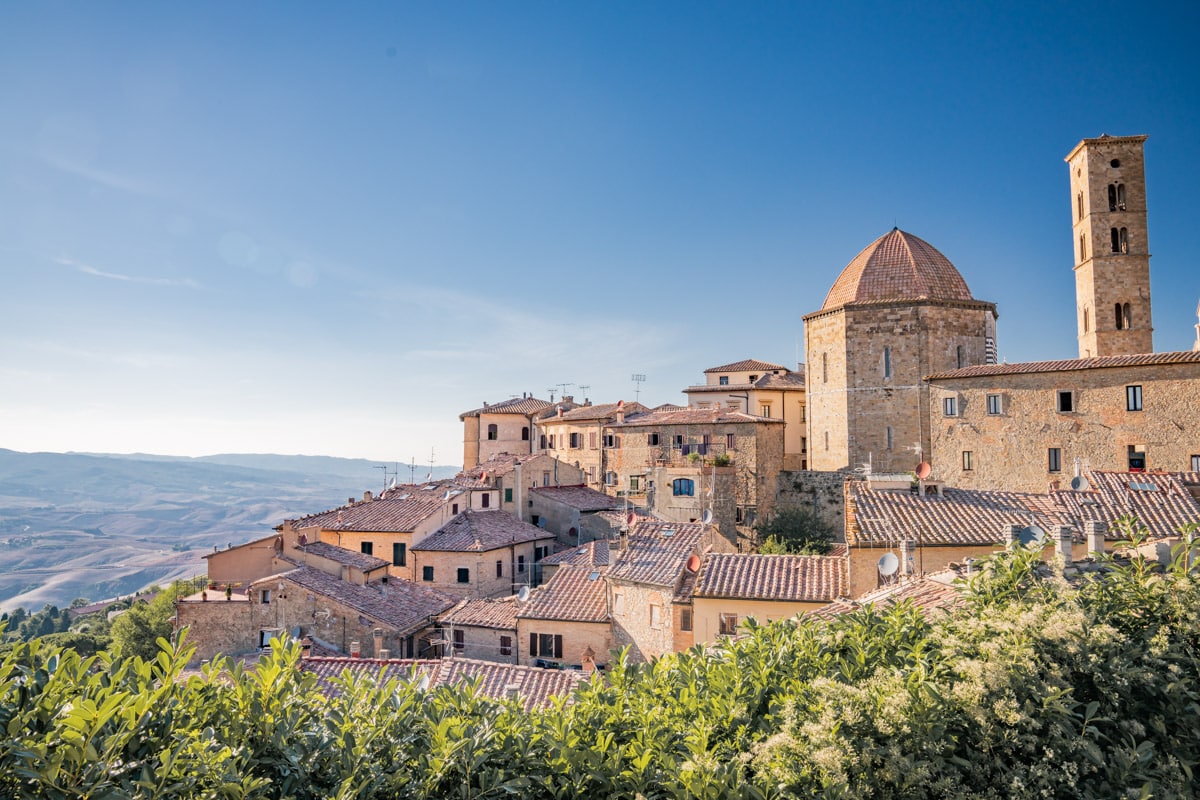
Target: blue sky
293	228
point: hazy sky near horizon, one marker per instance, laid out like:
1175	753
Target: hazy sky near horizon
329	229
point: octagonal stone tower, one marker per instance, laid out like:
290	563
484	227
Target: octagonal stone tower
898	312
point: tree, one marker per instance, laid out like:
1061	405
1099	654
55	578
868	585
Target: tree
794	530
136	632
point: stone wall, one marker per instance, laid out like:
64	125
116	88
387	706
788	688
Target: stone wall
708	610
514	434
577	637
217	626
515	568
822	492
485	643
632	620
1011	450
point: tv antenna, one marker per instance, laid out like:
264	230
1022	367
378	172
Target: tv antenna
561	388
638	379
583	387
383	467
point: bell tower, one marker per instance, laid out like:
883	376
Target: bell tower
1112	253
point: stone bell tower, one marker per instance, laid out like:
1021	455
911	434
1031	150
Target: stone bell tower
1112	252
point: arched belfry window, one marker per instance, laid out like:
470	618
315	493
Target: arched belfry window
1079	206
1126	317
1123	240
1119	316
1085	320
1083	247
1116	197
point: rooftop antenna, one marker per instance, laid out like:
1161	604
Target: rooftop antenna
583	387
552	390
430	475
383	467
562	387
638	379
412	471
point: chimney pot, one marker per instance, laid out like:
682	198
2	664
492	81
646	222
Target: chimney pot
355	650
907	550
367	497
1064	544
1014	535
1096	531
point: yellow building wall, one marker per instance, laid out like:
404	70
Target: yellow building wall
707	613
577	637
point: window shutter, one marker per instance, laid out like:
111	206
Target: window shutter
558	645
533	644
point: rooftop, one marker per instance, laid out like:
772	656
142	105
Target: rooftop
400	509
897	266
575	594
481	531
591	554
341	555
483	613
929	593
692	416
517	405
813	579
580	498
746	365
597	412
1069	365
657	552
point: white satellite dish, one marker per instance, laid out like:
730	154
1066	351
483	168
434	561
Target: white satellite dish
888	564
523	594
1032	535
1080	483
707	517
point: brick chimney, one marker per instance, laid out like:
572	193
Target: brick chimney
377	635
1096	532
1014	535
908	549
1064	544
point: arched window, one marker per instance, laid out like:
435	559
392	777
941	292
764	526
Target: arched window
683	487
1118	316
1085	320
1112	197
1123	240
1116	239
1126	316
525	434
493	433
1083	247
1079	205
1120	197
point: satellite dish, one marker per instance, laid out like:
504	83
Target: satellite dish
446	496
1032	535
1080	483
923	470
423	684
888	564
693	563
523	594
707	517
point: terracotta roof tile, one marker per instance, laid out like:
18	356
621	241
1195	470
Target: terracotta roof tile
745	365
517	405
481	531
897	266
497	464
535	687
657	552
692	416
576	594
406	607
591	554
341	555
400	509
578	497
1160	501
773	577
1102	362
483	613
601	411
930	594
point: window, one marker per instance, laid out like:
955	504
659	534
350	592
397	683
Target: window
545	645
552	441
1116	196
1195	463
889	437
618	603
508	495
576	441
950	406
678	440
525	434
485	501
1085	320
499	569
1066	402
824	367
635	484
887	362
652	439
592	441
958	355
546	478
723	380
542	441
683	487
764	410
1079	206
994	405
968	459
506	645
521	564
611	441
464	575
367	548
1120	240
1133	398
728	623
655	615
803	444
266	597
460	640
1137	458
685	619
399	554
454	508
1125	316
730	441
427	574
826	440
610	479
1083	247
492	433
1054	459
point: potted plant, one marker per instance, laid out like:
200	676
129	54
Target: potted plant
204	595
228	591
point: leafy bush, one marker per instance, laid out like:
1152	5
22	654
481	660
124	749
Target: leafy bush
794	530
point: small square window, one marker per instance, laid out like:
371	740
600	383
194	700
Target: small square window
1133	398
728	624
506	645
464	575
968	460
460	640
1195	463
685	619
950	406
1066	402
1054	461
723	380
995	405
427	573
508	495
367	548
764	410
521	564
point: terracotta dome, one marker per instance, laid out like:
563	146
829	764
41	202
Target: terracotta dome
897	266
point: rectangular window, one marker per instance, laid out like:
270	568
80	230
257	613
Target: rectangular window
683	487
968	459
521	564
454	508
592	441
685	619
611	441
486	500
545	645
1066	402
730	441
723	380
887	362
764	410
545	479
499	569
427	573
889	437
727	625
1054	461
367	548
399	554
266	597
950	406
618	603
993	404
678	441
576	441
1195	463
464	575
508	495
635	484
506	645
652	439
460	640
655	616
803	444
1133	398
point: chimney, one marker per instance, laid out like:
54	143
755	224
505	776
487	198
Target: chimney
355	650
559	409
1064	544
620	412
377	634
1096	531
908	549
512	691
623	541
1014	535
385	654
367	497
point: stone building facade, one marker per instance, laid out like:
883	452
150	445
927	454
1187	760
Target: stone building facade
899	311
575	436
497	428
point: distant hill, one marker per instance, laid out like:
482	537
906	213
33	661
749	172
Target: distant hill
99	525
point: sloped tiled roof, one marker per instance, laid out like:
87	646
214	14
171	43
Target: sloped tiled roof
405	607
591	554
930	594
795	578
1160	501
535	687
692	416
517	405
596	412
668	407
481	612
1068	365
575	594
745	365
897	266
578	497
341	555
400	509
784	382
496	465
657	552
475	531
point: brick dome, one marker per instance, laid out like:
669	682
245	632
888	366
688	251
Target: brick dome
897	266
